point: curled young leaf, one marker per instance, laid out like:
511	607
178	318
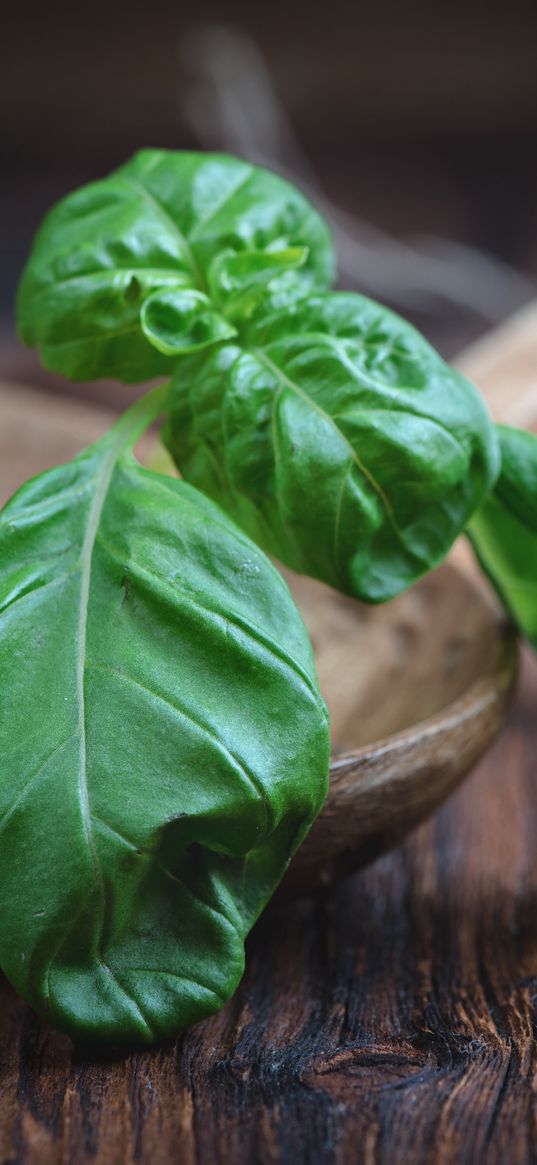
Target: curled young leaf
504	530
178	320
157	222
335	435
163	754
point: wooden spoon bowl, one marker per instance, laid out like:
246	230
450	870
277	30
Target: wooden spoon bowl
417	691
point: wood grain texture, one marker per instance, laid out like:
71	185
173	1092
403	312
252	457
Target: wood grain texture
388	1022
391	1021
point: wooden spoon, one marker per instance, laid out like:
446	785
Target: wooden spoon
417	690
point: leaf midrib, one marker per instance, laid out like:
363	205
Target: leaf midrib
86	563
265	359
160	209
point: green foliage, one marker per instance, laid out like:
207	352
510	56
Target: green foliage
504	530
163	753
334	434
164	742
162	222
178	321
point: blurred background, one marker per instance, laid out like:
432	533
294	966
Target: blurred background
413	125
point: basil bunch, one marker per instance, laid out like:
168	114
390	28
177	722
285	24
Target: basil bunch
164	741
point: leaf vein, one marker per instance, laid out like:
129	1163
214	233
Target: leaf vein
182	979
174	878
159	207
102	272
224	618
31	779
205	729
215	210
294	387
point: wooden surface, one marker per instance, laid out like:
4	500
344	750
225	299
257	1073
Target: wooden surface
390	1021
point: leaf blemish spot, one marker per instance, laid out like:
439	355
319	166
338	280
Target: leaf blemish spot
125	590
133	290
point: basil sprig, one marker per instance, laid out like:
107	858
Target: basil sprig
162	226
164	743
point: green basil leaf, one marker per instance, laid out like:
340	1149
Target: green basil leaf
157	222
239	280
177	321
504	530
335	435
163	754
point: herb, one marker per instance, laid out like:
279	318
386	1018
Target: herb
165	744
333	433
503	532
160	228
163	753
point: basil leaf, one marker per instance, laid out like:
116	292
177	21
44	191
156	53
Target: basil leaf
239	280
177	321
158	222
504	530
163	754
335	435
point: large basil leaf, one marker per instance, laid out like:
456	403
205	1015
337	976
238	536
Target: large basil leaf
163	754
162	221
504	530
335	435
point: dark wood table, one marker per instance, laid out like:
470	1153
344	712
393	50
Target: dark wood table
390	1022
